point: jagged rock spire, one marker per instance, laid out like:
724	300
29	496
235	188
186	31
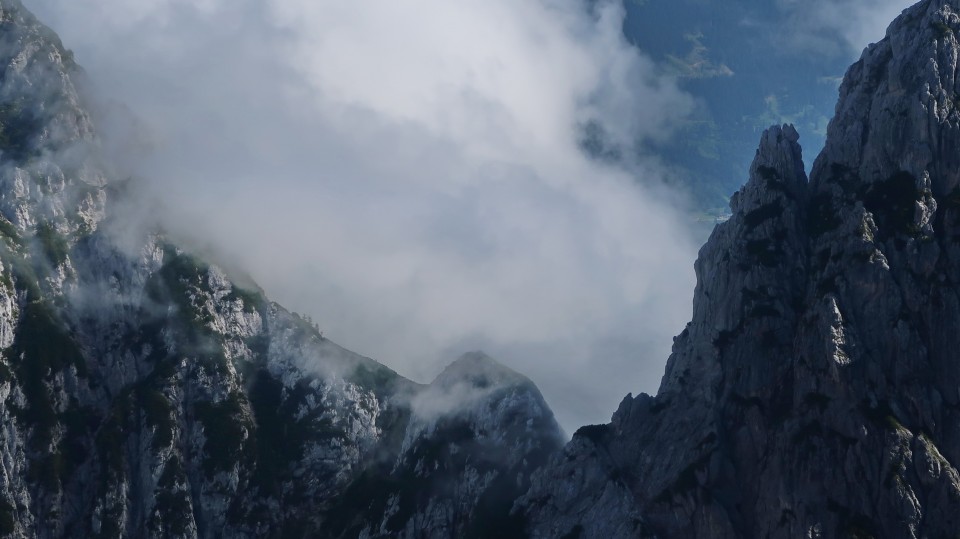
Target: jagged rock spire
746	271
816	392
897	110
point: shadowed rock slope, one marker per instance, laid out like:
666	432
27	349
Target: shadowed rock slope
816	392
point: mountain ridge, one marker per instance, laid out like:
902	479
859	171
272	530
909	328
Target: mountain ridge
814	393
144	393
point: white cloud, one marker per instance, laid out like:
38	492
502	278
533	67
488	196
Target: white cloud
408	173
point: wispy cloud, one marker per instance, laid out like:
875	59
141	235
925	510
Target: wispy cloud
832	27
409	173
697	64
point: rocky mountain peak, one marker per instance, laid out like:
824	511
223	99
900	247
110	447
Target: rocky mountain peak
778	164
742	289
814	393
897	111
479	370
492	398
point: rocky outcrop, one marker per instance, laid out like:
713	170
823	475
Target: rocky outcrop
475	436
815	392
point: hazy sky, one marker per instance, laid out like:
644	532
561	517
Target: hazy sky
408	173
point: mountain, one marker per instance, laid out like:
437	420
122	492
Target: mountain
145	393
815	392
475	436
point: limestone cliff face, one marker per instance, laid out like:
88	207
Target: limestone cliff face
816	391
144	393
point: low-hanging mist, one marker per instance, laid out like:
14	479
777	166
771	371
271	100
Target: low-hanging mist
411	175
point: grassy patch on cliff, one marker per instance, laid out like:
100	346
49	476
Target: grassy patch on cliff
42	347
54	245
225	428
10	232
181	278
7	521
158	414
18	128
172	508
253	300
282	434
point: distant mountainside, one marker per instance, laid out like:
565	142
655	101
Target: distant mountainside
816	392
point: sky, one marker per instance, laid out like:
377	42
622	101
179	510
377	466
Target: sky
837	26
410	174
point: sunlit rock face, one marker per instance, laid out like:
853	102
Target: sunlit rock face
815	392
145	393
